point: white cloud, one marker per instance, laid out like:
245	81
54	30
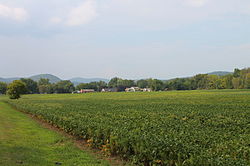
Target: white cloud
56	20
82	14
17	14
158	14
196	3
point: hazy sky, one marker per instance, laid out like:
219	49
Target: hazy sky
126	38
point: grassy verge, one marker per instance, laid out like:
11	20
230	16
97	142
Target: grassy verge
24	142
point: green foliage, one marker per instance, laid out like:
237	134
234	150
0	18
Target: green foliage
64	87
44	86
113	83
123	84
179	84
85	86
155	84
159	128
43	81
236	83
16	88
3	87
46	89
31	85
120	84
236	73
227	82
238	80
97	86
247	81
142	83
201	81
101	85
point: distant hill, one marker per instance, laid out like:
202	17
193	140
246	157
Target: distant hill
78	80
8	80
52	78
220	73
55	79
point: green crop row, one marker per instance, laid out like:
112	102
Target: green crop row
158	128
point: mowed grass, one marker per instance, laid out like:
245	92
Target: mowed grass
24	142
158	128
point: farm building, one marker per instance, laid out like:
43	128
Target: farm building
146	90
77	91
133	89
137	89
87	90
109	90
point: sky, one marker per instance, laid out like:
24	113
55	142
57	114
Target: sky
126	38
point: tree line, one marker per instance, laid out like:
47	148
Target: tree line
239	79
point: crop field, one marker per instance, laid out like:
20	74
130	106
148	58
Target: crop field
156	128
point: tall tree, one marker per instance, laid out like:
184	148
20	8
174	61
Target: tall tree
31	85
142	83
236	83
64	87
83	86
43	81
211	82
155	84
101	85
120	84
247	81
179	84
227	81
3	88
123	84
113	83
200	81
16	88
97	86
236	72
44	86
